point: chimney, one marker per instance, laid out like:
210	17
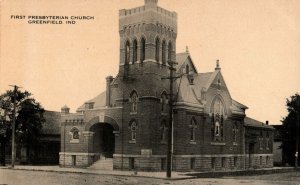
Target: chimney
109	79
267	122
151	3
217	66
65	110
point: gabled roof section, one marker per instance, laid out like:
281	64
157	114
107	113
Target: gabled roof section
254	123
182	59
191	93
238	104
99	101
52	123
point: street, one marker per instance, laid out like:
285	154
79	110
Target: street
22	177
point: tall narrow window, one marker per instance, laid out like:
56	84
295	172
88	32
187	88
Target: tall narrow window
143	49
267	141
234	132
187	69
134	51
170	48
164	102
134	100
133	128
218	112
219	84
157	47
193	127
261	140
163	52
163	135
127	52
217	128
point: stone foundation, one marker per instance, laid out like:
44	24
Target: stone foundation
76	159
191	162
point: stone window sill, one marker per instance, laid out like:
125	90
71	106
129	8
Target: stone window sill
133	113
193	142
164	114
132	141
74	141
235	144
217	143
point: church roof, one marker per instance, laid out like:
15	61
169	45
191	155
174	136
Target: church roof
238	104
181	59
52	123
99	101
190	93
254	123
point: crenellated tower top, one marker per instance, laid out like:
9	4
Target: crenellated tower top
147	34
149	13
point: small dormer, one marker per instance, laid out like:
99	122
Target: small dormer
89	105
185	63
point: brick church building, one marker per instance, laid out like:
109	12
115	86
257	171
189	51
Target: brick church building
128	122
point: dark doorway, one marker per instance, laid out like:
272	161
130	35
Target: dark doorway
108	140
104	139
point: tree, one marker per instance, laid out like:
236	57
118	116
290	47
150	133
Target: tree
291	130
29	120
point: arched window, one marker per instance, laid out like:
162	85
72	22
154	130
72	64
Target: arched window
187	69
127	52
74	132
157	47
133	129
164	102
163	53
134	51
234	132
143	49
170	48
164	128
218	112
133	100
193	127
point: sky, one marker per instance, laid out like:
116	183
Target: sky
257	43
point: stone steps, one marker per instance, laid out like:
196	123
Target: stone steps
102	164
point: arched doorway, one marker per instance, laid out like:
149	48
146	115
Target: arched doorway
103	140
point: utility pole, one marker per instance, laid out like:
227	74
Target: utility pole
13	148
297	132
170	131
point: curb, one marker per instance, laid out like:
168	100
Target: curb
96	173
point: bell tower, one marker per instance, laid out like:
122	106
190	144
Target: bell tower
147	35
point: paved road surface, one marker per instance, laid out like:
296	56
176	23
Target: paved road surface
21	177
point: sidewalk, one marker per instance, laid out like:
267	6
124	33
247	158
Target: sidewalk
158	175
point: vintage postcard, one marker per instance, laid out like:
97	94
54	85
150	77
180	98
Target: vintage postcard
149	91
